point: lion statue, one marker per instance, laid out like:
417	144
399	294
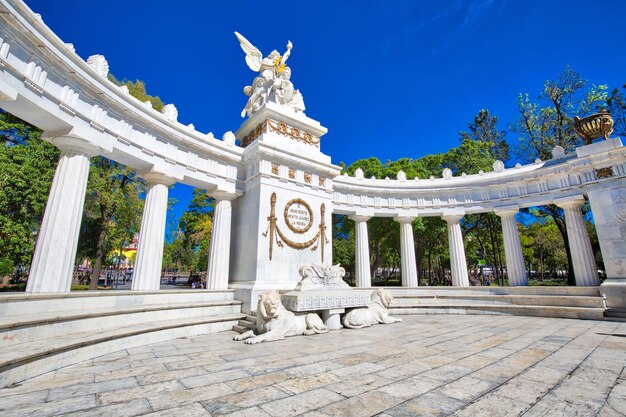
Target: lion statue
275	322
375	313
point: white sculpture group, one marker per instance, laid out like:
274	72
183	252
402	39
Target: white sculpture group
273	82
275	322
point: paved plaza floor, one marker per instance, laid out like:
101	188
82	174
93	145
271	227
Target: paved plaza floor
425	366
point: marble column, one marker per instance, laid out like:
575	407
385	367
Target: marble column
407	252
147	275
585	269
458	264
608	205
515	267
55	252
219	251
362	256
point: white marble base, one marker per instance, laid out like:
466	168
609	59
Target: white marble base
599	147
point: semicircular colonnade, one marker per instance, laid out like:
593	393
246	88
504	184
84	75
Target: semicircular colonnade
43	81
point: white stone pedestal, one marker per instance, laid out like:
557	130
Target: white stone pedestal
331	303
284	218
608	205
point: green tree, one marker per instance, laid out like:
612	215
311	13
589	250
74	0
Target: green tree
548	122
616	105
344	243
483	129
138	90
112	197
27	166
188	249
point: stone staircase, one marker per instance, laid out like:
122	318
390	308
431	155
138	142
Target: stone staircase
563	302
44	332
246	323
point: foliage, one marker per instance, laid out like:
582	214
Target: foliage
27	166
543	248
548	122
6	266
137	89
616	105
483	129
112	213
189	248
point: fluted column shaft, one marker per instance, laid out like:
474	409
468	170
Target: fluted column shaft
55	252
219	251
515	267
407	252
458	264
362	255
149	259
585	270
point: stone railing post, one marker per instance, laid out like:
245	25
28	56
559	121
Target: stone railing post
585	269
407	252
362	256
515	267
219	251
147	274
458	264
55	251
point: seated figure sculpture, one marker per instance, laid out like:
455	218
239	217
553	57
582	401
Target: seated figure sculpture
375	313
275	322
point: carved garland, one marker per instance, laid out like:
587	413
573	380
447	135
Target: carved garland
275	234
282	129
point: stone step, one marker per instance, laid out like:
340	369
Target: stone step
546	291
247	324
587	313
21	304
240	329
541	300
42	356
17	330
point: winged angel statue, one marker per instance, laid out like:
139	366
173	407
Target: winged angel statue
273	82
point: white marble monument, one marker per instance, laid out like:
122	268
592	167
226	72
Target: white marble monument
283	218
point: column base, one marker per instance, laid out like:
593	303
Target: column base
614	290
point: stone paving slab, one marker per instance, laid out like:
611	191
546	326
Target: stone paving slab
470	366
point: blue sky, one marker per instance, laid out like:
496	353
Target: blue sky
389	79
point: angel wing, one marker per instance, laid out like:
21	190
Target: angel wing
253	55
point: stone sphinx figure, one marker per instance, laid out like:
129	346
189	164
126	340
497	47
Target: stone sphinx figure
273	82
275	322
375	313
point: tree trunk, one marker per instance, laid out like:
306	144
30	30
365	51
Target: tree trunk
97	264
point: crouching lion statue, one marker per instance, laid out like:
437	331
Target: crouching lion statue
375	313
275	322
